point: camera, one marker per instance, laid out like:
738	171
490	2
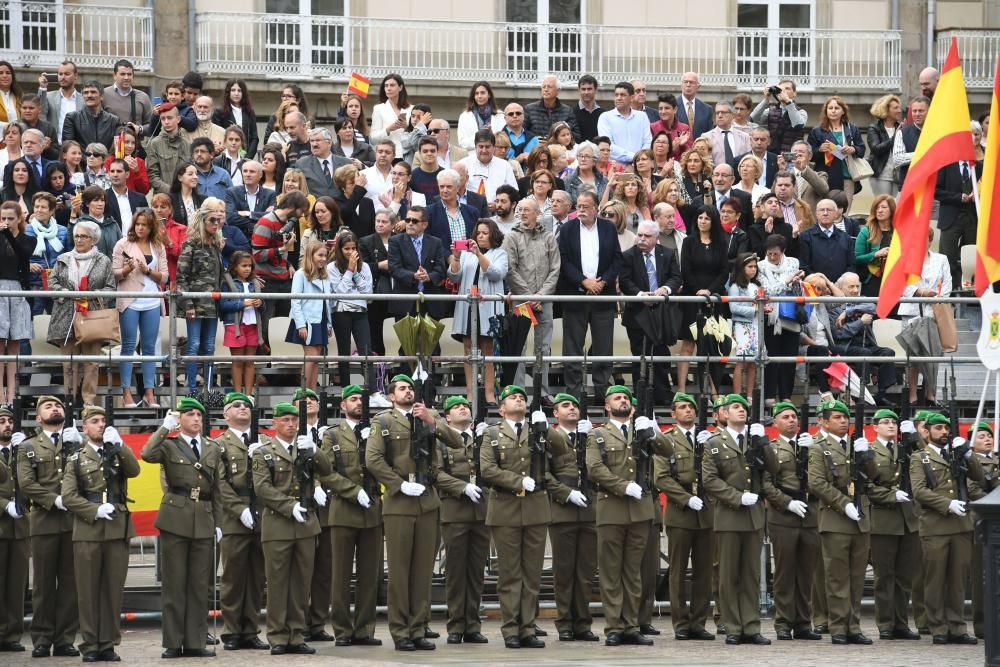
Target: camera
774	91
463	244
789	158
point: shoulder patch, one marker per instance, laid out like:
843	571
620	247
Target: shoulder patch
75	456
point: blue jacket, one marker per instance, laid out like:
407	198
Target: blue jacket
232	309
437	216
235	240
309	312
832	256
214	183
48	258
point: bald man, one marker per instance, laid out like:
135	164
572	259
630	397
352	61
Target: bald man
245	204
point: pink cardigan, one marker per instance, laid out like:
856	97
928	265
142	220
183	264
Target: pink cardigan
134	281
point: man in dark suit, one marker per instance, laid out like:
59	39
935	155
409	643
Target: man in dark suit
906	143
957	218
121	203
245	204
591	260
437	213
824	248
760	137
688	103
477	201
320	166
723	178
32	145
649	268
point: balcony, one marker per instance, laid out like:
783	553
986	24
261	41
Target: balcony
978	50
309	47
39	34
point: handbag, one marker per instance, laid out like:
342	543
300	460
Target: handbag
97	326
858	168
944	317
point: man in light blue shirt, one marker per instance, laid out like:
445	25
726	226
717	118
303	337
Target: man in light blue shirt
627	128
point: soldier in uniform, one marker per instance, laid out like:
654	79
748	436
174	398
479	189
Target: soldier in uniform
285	472
355	518
651	569
945	529
690	538
738	521
894	536
844	532
573	532
242	586
40	464
917	594
982	445
409	510
13	539
95	490
190	517
719	415
463	525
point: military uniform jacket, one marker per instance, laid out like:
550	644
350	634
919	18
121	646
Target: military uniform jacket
564	476
278	489
677	476
613	476
777	486
934	497
10	528
389	460
727	476
236	482
192	504
989	466
452	471
40	472
830	479
504	462
84	489
888	516
347	474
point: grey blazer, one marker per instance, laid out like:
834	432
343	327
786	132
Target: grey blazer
51	104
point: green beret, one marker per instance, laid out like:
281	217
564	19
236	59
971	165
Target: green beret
921	415
980	426
833	406
234	396
682	397
187	404
452	401
6	412
618	389
512	389
401	377
351	390
781	406
284	409
92	410
559	398
935	418
885	413
719	402
736	398
635	402
49	399
302	392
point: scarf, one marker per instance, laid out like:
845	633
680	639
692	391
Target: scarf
729	227
484	116
46	233
79	266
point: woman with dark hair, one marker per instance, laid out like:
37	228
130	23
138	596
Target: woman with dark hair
57	183
350	275
347	143
481	112
375	252
92	208
742	105
836	134
184	195
872	245
15	313
390	116
18	185
399	197
138	177
538	159
10	94
290	93
236	109
415	130
324	221
770	221
737	240
273	165
353	110
356	210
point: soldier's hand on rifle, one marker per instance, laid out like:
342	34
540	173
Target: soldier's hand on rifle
528	484
902	497
112	436
71	435
584	426
633	490
17	438
748	499
421	412
322	431
365	432
253	448
852	512
218	534
106	511
906	426
319	495
860	444
12	510
473	492
957	507
363	499
305	443
703	436
643	424
171	421
956	447
59	503
411	489
538	417
481	428
299	513
798	508
696	503
757	430
805	440
246	518
577	498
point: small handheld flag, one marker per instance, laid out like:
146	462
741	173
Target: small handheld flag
358	85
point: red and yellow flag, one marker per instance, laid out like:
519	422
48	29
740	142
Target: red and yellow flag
946	138
358	85
988	232
525	310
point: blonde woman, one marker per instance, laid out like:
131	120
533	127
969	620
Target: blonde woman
280	136
888	113
615	211
749	171
311	319
293	181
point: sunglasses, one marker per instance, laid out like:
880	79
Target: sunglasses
515	113
89	154
609	214
435	130
414	220
240	404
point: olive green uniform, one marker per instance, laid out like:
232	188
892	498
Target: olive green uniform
100	546
13	554
321	584
651	564
989	465
917	583
189	513
40	465
289	546
690	538
241	593
356	533
572	533
794	540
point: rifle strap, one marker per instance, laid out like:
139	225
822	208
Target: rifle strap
831	465
445	457
338	456
269	460
494	433
602	447
931	479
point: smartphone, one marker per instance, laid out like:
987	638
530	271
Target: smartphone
464	244
157	101
52	78
125	255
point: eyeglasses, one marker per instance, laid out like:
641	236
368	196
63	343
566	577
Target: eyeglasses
435	130
401	174
515	113
240	404
217	221
81	237
414	220
609	214
89	154
287	96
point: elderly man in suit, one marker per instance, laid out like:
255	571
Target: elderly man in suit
690	108
723	178
727	141
245	204
319	167
441	212
57	103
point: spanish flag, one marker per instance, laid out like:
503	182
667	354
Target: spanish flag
946	138
358	85
988	232
525	310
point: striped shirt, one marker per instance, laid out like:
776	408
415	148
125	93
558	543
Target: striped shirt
270	260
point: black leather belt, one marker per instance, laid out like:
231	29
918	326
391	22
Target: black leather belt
194	493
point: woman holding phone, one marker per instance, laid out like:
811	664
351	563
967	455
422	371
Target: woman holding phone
391	115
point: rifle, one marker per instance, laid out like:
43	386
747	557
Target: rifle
477	439
956	457
802	453
20	502
540	431
704	405
580	443
304	463
642	442
366	422
906	441
68	449
859	478
755	454
421	437
253	436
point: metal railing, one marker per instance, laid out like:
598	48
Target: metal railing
43	34
293	45
978	50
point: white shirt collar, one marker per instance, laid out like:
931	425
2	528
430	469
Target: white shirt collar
513	425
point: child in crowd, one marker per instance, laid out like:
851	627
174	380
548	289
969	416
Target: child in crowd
241	318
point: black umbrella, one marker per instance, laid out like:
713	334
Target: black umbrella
510	332
658	324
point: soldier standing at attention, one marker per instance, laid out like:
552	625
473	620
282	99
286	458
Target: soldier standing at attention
13	539
463	525
689	524
945	529
573	531
719	415
982	445
409	509
355	509
792	521
242	586
41	461
190	517
284	476
739	521
919	608
95	490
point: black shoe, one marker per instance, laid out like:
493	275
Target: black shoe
231	645
41	651
703	635
254	643
475	638
840	640
532	641
648	629
65	651
586	636
109	655
321	636
301	649
172	653
566	636
822	629
11	647
404	645
682	635
858	639
882	400
733	640
91	657
905	633
423	644
720	629
962	639
940	639
198	653
886	635
454	638
430	634
538	631
637	639
210	639
805	633
343	642
784	635
365	641
278	649
613	639
756	639
512	642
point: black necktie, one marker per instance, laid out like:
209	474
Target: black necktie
843	444
326	169
315	433
55	439
690	439
6	454
966	179
892	453
727	147
517	427
246	440
194	448
740	441
100	452
625	432
357	433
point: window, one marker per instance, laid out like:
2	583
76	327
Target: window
776	41
325	43
544	36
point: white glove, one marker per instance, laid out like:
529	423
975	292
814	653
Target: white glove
748	499
902	497
71	435
757	430
852	512
171	421
363	499
246	518
798	508
703	436
538	417
473	492
860	445
633	490
805	440
584	426
642	423
105	511
365	432
906	426
17	438
319	495
961	442
321	432
299	513
305	443
481	428
577	498
696	503
253	448
111	435
12	511
957	507
528	484
59	503
218	535
411	489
